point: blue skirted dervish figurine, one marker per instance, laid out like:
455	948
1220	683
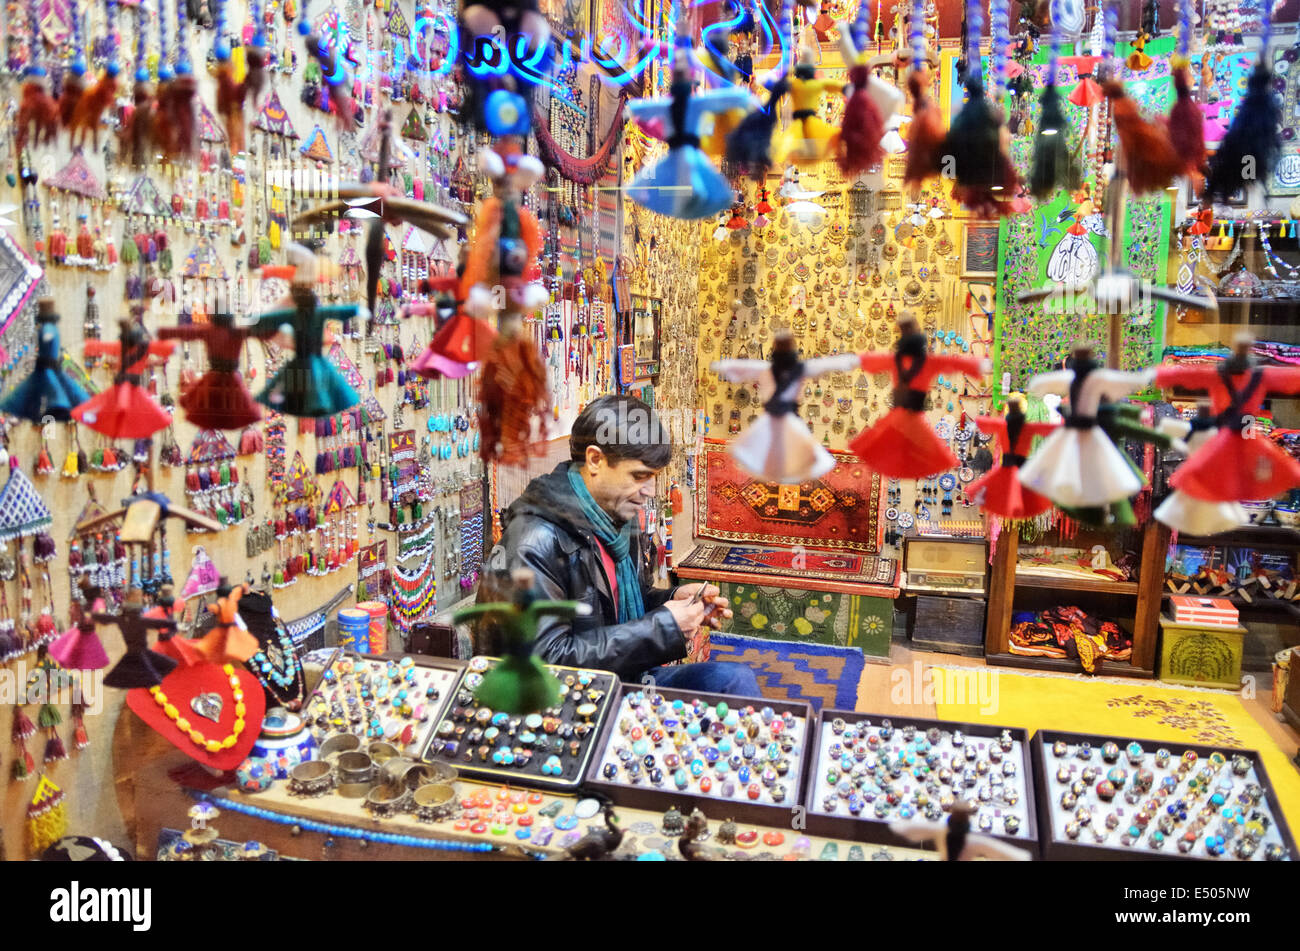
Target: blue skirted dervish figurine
685	183
48	392
308	384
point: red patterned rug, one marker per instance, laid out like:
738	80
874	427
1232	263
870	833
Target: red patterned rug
839	512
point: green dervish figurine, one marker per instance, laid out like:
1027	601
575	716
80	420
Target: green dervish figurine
520	683
1119	421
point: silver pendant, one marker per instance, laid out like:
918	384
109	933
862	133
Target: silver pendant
208	706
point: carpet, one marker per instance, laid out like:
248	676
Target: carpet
839	512
819	673
847	567
1140	711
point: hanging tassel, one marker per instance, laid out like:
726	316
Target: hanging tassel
22	728
48	716
1250	149
80	740
38	113
109	461
74	86
1187	123
986	181
54	748
926	136
70	467
44	465
1149	157
43	548
1054	165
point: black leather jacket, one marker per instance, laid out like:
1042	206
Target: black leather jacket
544	530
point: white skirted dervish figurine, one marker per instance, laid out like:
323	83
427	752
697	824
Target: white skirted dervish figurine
1186	513
1078	465
779	447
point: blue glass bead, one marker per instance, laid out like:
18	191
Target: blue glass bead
697	768
679	779
711	755
742	774
693	729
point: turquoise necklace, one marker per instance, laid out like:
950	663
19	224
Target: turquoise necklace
278	668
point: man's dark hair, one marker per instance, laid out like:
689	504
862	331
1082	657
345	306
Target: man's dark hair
622	427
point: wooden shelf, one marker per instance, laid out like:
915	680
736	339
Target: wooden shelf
1064	665
1025	579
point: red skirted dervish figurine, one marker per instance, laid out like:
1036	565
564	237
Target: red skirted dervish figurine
999	491
903	445
218	399
1237	464
126	410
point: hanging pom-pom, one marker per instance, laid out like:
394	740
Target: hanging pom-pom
1150	159
250	441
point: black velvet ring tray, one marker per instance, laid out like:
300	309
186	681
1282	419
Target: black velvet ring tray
468	754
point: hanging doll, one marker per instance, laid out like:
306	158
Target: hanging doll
79	648
778	447
218	399
809	138
513	394
48	391
684	183
1236	464
126	410
1119	421
902	445
308	384
1078	465
871	101
139	666
229	639
999	491
1186	513
460	342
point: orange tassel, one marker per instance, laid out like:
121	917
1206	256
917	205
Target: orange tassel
73	89
1187	124
137	133
38	114
1151	161
230	106
512	393
176	107
90	110
926	135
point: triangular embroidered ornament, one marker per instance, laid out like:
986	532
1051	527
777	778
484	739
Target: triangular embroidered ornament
298	478
142	198
209	128
274	119
77	177
317	147
339	499
22	512
413	128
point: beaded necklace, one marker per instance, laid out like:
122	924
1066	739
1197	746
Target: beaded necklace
197	738
414	593
1274	259
277	666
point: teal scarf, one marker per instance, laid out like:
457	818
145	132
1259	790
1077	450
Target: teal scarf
619	543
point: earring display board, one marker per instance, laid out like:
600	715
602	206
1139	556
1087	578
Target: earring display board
383	698
549	749
869	771
1102	797
732	757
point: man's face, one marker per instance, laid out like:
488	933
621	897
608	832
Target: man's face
621	488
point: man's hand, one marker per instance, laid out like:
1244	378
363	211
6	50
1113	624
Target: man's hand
688	616
717	608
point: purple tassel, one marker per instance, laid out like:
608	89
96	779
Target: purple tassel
54	749
141	452
43	548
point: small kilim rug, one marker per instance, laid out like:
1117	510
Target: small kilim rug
839	511
819	673
794	563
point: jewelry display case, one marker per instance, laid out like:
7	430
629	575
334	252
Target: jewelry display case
1154	800
550	749
726	756
383	698
916	760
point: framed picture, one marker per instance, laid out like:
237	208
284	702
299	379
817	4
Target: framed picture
979	249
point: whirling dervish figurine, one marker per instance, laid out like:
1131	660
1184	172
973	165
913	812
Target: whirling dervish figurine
903	445
48	391
1186	513
308	384
809	138
126	410
778	446
684	183
1120	422
1236	464
1079	465
999	491
520	683
218	399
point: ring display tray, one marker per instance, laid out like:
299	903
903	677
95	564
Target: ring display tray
1223	779
1011	795
704	740
339	697
502	748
